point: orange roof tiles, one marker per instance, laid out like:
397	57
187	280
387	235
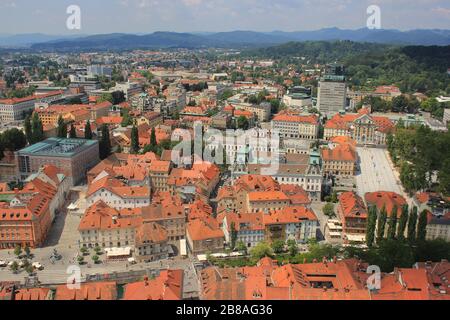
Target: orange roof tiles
283	117
199	230
352	205
32	294
387	200
167	286
151	233
100	216
243	221
257	196
344	140
294	214
296	194
340	153
88	291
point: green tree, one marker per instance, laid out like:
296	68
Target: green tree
14	267
412	224
134	140
403	222
444	177
18	250
72	132
28	129
242	123
96	259
29	269
422	226
105	143
117	97
278	246
153	141
328	210
61	130
381	224
292	247
126	119
371	226
233	235
392	224
261	250
241	247
84	250
106	97
334	197
80	260
27	251
88	131
37	129
13	139
98	250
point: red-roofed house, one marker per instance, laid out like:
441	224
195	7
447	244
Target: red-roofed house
248	227
167	286
297	223
340	161
204	236
353	214
88	291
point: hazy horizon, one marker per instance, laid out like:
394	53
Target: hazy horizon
199	16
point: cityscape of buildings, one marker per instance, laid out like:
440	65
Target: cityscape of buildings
93	179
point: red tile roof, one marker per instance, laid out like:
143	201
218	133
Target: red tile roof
167	286
340	153
352	205
387	200
88	291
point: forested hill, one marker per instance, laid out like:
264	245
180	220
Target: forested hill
318	51
412	68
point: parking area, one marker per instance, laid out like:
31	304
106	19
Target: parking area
376	172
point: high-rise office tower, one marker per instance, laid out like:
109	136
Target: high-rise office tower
332	93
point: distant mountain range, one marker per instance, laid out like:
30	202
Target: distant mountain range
234	39
26	40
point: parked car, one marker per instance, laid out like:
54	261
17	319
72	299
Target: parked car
3	263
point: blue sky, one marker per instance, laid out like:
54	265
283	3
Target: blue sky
145	16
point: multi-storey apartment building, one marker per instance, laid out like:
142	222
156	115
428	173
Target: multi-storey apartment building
352	212
117	194
16	109
248	227
26	215
292	126
340	161
291	223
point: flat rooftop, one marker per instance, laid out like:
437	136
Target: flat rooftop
58	147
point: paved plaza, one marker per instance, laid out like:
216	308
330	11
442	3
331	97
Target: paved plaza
377	172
